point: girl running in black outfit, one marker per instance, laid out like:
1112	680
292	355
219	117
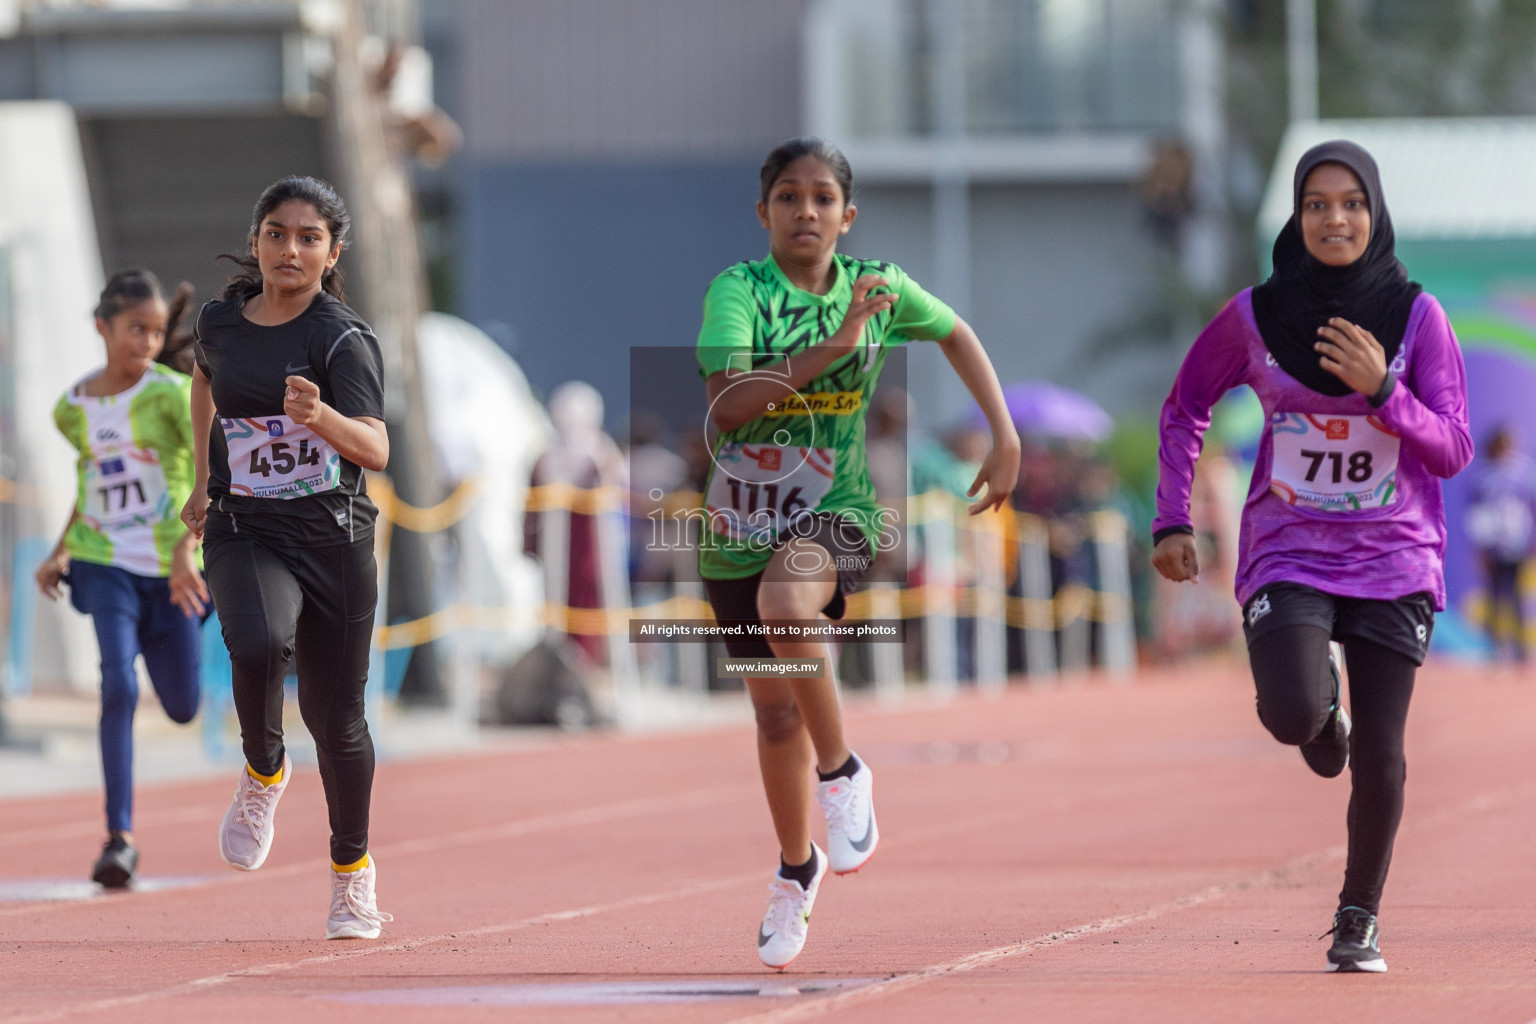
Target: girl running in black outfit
295	379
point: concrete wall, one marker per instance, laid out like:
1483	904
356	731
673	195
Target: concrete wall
601	188
573	264
617	79
172	193
1055	270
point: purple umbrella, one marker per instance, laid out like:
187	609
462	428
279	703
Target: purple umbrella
1044	409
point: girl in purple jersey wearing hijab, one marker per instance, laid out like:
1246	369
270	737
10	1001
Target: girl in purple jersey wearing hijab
1343	531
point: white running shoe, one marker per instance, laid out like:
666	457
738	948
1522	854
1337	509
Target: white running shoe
849	805
781	936
245	837
355	912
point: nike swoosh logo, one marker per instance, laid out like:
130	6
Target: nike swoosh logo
869	833
762	940
290	368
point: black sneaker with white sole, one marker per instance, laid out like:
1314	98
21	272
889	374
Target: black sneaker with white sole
1328	753
1355	946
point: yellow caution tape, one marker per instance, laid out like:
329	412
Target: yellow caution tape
422	520
1071	603
582	501
13	493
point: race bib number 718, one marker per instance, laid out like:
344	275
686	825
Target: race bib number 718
1334	463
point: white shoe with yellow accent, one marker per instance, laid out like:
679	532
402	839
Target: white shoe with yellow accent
355	912
245	835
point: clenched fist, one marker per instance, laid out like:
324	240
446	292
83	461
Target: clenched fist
301	400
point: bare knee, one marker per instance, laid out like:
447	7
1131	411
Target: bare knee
784	601
779	722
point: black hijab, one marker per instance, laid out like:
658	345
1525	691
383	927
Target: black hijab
1303	292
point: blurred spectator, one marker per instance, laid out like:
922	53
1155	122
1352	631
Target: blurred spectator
656	474
948	463
583	457
1167	192
700	458
1501	522
886	442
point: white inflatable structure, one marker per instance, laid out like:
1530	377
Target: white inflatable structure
488	428
50	277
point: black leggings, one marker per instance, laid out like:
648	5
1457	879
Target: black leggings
313	607
1295	693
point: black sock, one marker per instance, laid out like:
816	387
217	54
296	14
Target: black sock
845	772
805	873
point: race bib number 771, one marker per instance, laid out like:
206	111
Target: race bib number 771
1334	463
274	457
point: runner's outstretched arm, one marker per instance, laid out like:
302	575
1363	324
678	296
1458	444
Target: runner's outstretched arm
1000	471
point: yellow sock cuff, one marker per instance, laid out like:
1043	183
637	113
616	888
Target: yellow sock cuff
342	869
265	780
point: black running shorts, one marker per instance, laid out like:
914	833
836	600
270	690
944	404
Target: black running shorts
1403	625
844	543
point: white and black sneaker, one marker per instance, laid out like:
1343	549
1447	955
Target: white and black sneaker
1328	753
849	805
1355	946
781	936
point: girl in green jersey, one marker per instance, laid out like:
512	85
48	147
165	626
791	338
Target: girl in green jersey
130	563
791	349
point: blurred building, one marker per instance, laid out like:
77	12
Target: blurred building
1050	167
185	111
185	116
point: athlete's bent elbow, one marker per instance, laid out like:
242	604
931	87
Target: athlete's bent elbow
1449	463
727	421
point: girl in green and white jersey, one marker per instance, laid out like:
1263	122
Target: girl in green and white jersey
130	562
791	350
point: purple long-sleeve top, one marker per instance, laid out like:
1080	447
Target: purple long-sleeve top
1385	550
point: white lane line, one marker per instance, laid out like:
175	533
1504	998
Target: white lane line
101	1006
1300	866
579	818
75	830
266	970
986	957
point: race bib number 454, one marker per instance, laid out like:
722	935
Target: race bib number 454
274	457
758	489
1334	463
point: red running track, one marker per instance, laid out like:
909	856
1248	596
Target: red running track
1083	854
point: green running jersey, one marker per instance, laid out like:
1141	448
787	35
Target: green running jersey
806	453
135	471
